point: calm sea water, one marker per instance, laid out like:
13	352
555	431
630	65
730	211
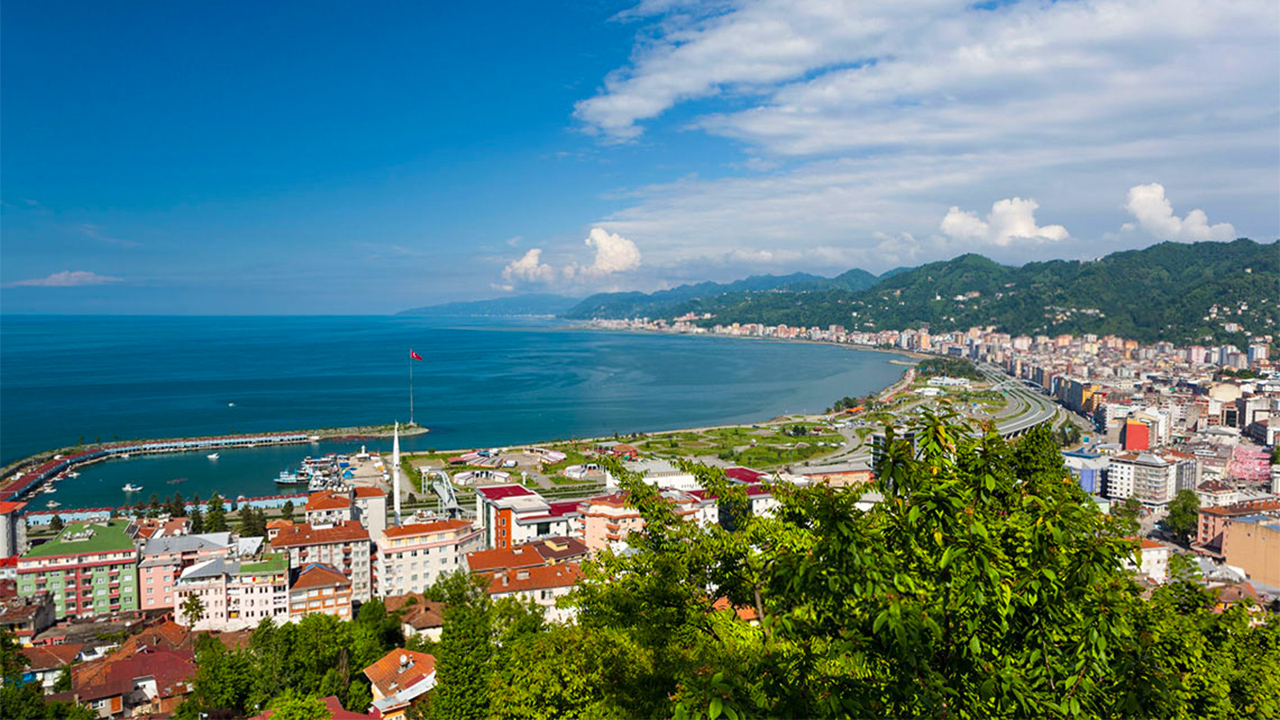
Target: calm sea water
481	383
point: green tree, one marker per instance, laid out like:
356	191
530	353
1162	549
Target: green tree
1125	516
294	706
21	699
1183	517
216	519
286	512
464	655
193	610
63	683
247	528
56	524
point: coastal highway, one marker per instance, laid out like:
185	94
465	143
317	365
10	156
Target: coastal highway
1027	407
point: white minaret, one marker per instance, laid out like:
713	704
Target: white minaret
395	469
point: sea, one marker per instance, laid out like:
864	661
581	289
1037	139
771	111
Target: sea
482	382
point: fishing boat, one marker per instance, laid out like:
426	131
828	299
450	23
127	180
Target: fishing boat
212	456
53	504
130	488
290	478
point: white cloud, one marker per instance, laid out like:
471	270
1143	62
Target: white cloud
1009	220
67	278
861	123
614	253
529	268
1154	213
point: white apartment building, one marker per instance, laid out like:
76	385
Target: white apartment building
412	557
235	595
510	515
345	546
544	585
1152	478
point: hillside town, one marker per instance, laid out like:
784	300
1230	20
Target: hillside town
105	610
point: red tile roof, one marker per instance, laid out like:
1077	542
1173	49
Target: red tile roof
391	675
317	575
504	559
327	501
304	534
421	614
115	675
48	657
426	528
535	578
364	491
8	507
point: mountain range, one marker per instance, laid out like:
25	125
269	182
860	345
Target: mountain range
1208	291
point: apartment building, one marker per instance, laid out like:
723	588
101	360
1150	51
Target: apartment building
344	546
412	557
607	519
511	515
329	508
1253	545
235	594
1152	478
90	569
13	529
319	588
165	557
543	585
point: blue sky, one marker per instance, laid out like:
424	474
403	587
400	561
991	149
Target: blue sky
229	158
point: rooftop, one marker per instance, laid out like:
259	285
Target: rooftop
79	538
187	543
414	529
304	534
544	577
400	669
315	575
271	563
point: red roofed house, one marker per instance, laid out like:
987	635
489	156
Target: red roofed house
400	678
344	546
319	588
511	515
547	551
418	615
543	585
27	615
1154	560
328	508
138	684
44	664
412	557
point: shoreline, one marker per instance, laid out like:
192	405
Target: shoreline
40	460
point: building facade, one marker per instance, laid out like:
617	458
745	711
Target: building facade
412	557
344	546
234	594
90	570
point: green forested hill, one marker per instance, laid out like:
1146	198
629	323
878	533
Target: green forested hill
1164	292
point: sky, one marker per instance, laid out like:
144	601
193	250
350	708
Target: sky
344	158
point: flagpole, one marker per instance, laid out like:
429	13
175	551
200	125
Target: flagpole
411	387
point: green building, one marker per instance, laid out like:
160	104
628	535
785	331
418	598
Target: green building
90	569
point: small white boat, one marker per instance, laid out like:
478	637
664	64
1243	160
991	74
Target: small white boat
53	504
130	487
212	456
73	474
124	456
231	404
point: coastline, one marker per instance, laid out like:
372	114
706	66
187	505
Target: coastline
37	462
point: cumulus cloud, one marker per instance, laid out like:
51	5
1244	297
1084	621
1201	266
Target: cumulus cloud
614	253
1009	220
529	268
859	120
1154	213
67	278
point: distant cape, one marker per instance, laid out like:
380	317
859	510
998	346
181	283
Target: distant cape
533	304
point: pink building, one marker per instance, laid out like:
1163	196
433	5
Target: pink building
165	557
235	595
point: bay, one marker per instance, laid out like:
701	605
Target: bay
481	383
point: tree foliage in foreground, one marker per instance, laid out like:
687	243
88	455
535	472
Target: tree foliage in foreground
24	698
985	584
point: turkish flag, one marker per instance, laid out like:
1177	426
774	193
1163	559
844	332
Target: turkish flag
414	355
